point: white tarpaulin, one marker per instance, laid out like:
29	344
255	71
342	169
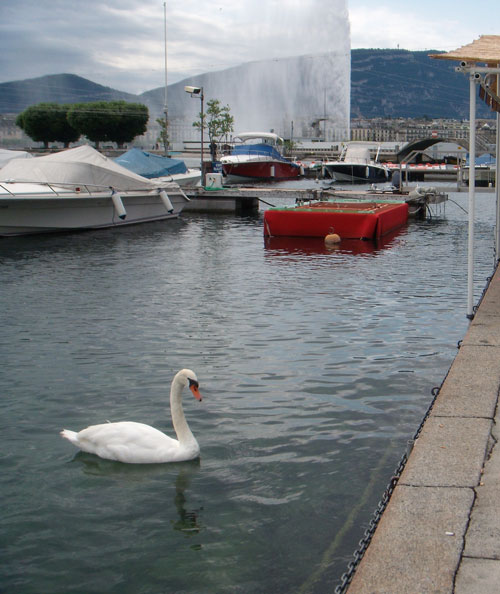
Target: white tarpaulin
7	155
82	166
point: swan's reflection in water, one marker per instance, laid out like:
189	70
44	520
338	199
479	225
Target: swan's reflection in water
188	522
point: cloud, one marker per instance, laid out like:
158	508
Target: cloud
120	43
425	25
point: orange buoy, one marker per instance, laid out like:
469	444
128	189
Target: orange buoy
332	238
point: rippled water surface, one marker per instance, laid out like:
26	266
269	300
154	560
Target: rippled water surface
316	367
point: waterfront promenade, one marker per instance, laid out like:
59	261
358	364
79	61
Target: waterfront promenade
440	532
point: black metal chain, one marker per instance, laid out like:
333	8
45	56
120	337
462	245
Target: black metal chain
348	575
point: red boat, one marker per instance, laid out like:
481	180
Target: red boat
256	157
349	220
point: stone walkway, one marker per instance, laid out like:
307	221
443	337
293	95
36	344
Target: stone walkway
440	532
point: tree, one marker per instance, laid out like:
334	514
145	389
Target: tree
163	136
109	121
218	121
288	147
48	122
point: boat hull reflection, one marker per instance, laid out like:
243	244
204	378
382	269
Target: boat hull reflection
316	245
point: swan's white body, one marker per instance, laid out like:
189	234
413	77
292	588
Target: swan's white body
137	443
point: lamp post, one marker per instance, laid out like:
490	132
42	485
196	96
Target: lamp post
198	92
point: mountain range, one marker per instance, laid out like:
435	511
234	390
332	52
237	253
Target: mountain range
383	84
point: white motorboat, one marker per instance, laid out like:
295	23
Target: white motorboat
255	156
7	155
356	166
80	189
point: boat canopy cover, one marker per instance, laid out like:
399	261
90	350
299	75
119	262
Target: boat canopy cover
357	154
6	156
150	165
264	150
81	166
485	159
264	137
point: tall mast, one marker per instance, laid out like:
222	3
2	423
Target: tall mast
165	108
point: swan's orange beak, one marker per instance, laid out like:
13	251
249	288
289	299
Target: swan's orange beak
194	389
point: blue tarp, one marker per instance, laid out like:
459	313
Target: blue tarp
259	149
150	165
485	159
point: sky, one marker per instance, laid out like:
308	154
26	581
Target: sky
120	43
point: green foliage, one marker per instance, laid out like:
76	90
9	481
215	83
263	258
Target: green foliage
109	121
288	147
47	122
218	121
163	136
100	121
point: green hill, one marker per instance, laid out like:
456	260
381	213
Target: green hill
401	83
16	96
384	83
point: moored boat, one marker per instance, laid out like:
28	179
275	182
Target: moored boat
255	156
355	165
348	219
157	167
80	189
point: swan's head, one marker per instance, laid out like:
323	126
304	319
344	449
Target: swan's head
188	378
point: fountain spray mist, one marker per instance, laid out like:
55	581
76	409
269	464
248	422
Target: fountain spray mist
302	82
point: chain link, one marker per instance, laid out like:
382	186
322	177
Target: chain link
347	577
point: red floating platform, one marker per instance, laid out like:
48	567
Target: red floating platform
350	220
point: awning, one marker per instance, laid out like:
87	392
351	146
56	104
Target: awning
485	50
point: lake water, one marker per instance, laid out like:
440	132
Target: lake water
316	367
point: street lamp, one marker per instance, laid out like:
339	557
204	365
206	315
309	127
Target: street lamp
198	92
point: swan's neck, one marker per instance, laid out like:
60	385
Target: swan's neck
184	434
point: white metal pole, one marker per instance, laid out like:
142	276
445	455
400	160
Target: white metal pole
202	126
497	184
165	109
472	197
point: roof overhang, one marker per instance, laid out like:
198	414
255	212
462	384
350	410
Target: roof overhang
481	59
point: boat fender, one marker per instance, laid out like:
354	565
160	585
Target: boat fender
272	171
166	201
118	204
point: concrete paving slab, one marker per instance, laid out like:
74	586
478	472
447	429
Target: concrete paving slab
478	576
440	532
450	452
472	384
491	474
484	332
418	543
490	303
483	535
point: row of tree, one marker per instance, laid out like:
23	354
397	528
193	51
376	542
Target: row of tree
99	121
112	121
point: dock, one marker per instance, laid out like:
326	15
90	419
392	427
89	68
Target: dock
440	529
244	201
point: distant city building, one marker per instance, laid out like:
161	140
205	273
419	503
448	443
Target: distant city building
11	136
386	135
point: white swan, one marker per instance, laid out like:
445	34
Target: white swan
137	443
